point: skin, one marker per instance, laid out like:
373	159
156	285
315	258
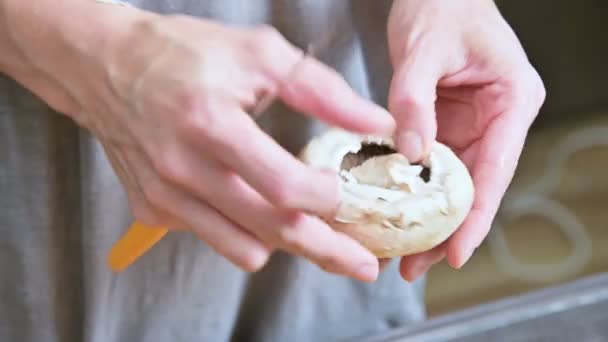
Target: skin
461	77
152	90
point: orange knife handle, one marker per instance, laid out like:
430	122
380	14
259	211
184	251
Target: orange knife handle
133	244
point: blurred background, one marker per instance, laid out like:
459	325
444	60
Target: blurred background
552	228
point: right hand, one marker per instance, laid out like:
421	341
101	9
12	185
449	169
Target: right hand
171	116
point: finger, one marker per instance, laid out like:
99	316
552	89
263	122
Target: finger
315	89
230	240
299	234
273	172
227	238
318	91
132	178
333	251
291	231
414	266
493	169
383	264
412	102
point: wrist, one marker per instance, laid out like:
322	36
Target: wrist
67	28
65	41
10	58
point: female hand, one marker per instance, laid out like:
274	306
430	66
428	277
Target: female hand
167	98
461	77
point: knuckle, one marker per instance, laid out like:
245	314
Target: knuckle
196	115
542	95
528	85
528	91
282	194
541	91
170	166
202	127
408	100
187	99
231	139
267	37
272	51
145	214
233	182
155	193
292	236
290	239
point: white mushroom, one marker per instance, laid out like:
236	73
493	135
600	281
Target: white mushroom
392	207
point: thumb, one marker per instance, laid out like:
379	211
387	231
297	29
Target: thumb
412	96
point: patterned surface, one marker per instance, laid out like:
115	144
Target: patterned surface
552	225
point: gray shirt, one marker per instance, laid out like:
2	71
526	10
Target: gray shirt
62	207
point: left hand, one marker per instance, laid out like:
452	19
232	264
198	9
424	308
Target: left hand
461	77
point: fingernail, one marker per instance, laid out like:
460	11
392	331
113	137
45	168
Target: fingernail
389	121
367	272
385	119
410	144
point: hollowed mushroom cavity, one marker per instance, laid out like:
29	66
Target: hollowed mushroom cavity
367	151
379	165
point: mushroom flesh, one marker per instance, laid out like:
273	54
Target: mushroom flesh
391	206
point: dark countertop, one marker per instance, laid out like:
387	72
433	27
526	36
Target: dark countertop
576	311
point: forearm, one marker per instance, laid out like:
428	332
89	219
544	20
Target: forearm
59	41
10	58
44	31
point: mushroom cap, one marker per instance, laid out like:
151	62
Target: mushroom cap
385	203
